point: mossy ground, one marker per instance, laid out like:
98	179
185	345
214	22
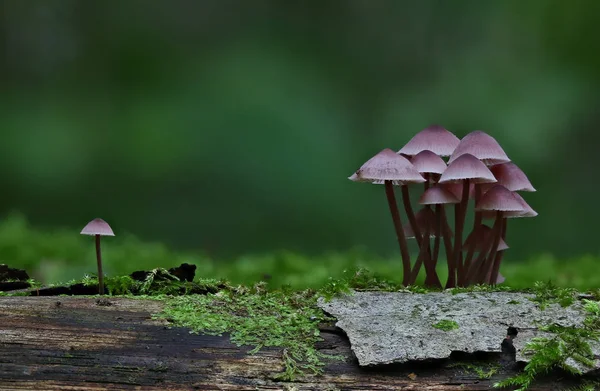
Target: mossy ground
289	319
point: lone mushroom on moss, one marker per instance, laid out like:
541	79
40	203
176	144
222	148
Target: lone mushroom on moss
98	228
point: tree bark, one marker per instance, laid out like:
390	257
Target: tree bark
60	343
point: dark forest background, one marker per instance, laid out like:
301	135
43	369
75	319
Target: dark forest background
230	127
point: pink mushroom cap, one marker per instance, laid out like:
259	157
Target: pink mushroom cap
437	195
512	177
499	198
467	166
481	145
387	165
434	138
526	212
97	227
427	162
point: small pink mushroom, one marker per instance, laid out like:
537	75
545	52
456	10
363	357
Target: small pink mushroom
98	228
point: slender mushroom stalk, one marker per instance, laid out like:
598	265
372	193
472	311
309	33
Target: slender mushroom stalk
483	244
514	179
388	168
98	228
465	169
527	212
503	202
438	234
422	257
447	236
438	196
479	266
498	255
425	220
485	148
431	166
476	233
422	240
459	223
391	198
426	149
497	235
410	214
99	262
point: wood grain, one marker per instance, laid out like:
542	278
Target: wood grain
74	343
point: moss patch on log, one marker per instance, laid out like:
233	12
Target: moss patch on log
256	317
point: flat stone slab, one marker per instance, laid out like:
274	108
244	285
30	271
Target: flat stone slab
396	327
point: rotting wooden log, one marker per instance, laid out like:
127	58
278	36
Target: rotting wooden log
83	343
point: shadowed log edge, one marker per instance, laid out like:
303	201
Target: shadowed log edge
62	343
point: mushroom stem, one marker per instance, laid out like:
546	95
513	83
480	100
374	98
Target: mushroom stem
459	222
479	267
451	283
498	255
476	233
99	260
431	278
411	215
438	234
420	260
391	198
490	250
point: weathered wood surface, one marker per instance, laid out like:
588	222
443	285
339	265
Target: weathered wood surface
70	343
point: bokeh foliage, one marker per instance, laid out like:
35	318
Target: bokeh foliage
229	127
58	255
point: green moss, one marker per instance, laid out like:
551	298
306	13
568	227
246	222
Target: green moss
482	371
547	293
259	318
567	343
446	325
481	288
587	385
513	302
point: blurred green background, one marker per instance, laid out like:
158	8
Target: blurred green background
227	129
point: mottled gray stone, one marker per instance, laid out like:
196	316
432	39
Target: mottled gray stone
395	327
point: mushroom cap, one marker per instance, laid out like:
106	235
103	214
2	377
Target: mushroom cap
97	227
457	188
428	162
499	198
512	177
526	212
467	166
479	246
481	145
436	195
387	166
500	279
433	138
424	217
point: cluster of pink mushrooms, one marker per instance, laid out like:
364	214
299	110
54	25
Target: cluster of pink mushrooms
477	169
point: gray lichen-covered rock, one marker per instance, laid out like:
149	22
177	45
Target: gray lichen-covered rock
392	327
